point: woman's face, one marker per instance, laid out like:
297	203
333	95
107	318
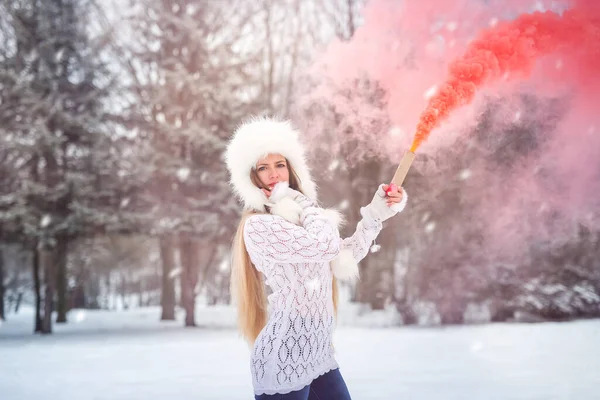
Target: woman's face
272	169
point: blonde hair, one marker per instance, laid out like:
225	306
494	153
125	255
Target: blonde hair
246	285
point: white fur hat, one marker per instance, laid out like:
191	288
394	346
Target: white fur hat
255	139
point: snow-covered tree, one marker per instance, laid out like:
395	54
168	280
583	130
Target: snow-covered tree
55	136
193	80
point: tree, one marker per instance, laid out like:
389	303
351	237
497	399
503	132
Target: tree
53	91
2	310
194	85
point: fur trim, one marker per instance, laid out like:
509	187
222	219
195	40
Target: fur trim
345	267
281	190
334	216
288	209
254	140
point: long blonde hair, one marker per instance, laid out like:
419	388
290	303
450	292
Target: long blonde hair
247	287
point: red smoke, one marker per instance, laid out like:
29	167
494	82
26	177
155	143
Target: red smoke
513	48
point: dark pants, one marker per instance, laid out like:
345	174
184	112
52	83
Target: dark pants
330	386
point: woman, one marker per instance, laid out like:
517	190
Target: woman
287	239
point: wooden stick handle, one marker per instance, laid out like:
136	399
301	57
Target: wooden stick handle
403	168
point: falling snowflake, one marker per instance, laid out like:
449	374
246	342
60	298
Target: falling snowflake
517	116
46	220
334	164
465	174
224	265
58	56
395	131
175	273
493	22
430	227
430	92
183	174
375	248
80	316
451	26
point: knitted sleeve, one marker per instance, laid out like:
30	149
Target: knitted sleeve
273	238
360	241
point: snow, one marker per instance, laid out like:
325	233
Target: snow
45	221
183	174
517	116
430	227
175	272
465	174
451	26
131	356
430	92
396	131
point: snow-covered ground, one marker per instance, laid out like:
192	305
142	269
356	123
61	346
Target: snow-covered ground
130	356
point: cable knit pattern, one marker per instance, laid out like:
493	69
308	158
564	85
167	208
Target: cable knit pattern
295	346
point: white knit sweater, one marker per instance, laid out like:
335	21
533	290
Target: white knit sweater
295	346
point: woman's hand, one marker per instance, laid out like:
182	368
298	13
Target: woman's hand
282	190
386	203
393	194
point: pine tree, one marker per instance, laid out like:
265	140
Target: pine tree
55	136
192	88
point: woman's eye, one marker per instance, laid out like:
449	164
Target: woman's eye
281	165
261	168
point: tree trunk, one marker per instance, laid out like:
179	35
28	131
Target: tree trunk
2	316
268	5
61	280
351	26
123	290
49	261
18	302
37	288
188	251
366	175
167	299
140	293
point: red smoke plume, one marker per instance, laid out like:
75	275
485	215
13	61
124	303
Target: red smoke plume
512	48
